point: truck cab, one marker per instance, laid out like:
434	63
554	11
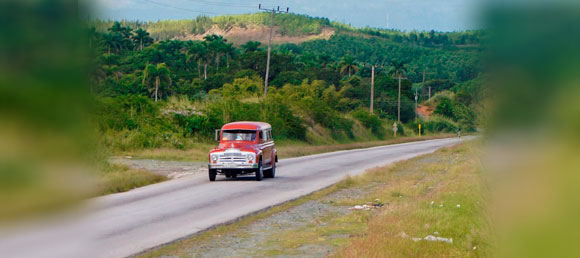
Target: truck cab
244	148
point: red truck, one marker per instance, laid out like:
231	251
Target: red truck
245	148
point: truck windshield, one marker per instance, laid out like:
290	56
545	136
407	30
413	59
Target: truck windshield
239	135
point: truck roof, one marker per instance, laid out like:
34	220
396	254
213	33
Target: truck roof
247	125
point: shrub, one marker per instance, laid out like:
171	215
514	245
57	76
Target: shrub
439	124
445	108
370	121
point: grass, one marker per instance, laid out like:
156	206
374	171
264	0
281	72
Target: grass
458	191
114	178
448	177
286	149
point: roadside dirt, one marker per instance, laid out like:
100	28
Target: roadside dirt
424	111
170	169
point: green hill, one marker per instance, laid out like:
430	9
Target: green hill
209	71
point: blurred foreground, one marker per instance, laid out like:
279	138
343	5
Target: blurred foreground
45	142
534	129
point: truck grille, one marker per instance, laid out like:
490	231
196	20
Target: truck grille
232	154
232	159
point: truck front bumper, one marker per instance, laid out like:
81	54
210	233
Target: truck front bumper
233	166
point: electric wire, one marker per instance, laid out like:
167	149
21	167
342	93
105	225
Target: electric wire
178	8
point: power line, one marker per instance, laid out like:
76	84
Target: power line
223	4
178	8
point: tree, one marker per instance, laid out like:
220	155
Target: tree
197	52
112	41
348	64
324	60
160	76
251	46
116	28
142	38
216	45
112	70
229	52
122	34
308	60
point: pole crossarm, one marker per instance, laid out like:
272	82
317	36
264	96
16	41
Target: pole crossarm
275	10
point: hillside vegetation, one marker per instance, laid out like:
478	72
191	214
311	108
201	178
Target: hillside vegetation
156	89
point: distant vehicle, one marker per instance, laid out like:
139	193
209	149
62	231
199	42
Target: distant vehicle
244	148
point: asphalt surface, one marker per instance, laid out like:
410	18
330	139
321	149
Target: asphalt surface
125	224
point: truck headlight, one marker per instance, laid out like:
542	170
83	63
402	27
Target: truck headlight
250	157
214	157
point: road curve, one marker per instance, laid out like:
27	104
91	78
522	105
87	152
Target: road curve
124	224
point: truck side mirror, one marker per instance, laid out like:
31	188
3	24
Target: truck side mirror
217	135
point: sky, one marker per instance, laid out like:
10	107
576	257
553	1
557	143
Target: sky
439	15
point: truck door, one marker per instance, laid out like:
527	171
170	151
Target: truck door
263	143
268	147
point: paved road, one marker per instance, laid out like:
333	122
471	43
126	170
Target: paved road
124	224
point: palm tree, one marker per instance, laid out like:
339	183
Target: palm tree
308	59
229	51
206	58
324	60
215	45
196	52
142	38
127	33
160	75
112	41
123	34
348	64
398	68
116	28
251	46
112	70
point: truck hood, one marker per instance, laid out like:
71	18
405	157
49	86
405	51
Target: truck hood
242	146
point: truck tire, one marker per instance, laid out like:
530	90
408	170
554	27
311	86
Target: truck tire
260	171
270	173
212	174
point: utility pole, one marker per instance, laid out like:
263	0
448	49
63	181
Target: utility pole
416	107
399	105
372	89
272	11
423	85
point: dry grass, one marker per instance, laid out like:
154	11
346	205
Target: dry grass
115	178
454	179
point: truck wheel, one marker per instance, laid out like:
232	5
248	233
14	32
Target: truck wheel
270	173
212	174
259	172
